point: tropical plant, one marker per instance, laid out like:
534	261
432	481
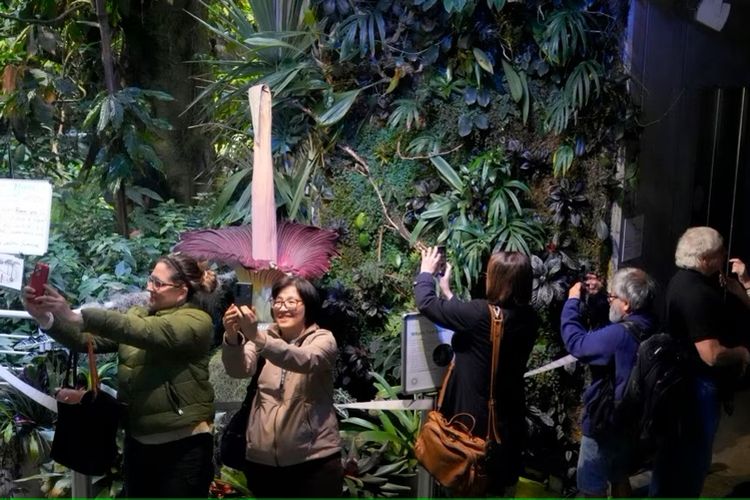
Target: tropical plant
379	459
563	32
582	83
126	127
481	213
275	46
566	202
549	283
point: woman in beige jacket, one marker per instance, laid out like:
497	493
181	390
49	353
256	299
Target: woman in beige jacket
293	444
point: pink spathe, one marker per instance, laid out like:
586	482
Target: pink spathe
263	204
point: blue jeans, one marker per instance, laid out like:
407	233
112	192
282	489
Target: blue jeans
602	461
682	462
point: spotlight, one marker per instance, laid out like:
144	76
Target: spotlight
713	13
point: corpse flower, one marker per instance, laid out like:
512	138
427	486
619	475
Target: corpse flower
264	251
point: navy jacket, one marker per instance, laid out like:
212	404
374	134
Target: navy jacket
612	344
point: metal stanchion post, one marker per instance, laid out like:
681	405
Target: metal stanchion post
425	483
80	487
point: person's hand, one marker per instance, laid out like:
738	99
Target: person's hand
739	268
231	320
52	301
734	287
575	291
745	357
28	297
445	282
593	283
248	322
430	260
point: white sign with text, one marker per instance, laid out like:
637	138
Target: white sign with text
24	216
425	354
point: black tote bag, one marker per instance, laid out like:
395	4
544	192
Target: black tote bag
87	422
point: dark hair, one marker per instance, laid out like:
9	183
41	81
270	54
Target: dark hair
194	274
509	278
307	292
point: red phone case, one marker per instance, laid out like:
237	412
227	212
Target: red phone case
39	278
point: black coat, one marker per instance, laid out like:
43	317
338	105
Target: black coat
468	388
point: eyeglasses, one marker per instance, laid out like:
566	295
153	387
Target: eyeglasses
290	304
611	297
159	284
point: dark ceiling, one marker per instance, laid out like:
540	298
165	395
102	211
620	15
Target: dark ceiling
737	29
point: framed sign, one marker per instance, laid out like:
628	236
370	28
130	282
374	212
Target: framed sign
425	354
24	216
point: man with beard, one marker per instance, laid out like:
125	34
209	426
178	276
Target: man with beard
705	318
610	352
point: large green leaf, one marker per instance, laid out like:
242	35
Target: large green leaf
514	81
448	173
341	104
483	60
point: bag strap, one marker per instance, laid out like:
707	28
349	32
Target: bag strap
71	366
94	373
252	387
496	333
446	377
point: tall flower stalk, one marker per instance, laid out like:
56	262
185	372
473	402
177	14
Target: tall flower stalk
265	250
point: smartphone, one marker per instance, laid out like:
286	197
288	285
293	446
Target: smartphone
243	294
441	265
39	278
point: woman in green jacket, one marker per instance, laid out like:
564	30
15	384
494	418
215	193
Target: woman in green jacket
162	373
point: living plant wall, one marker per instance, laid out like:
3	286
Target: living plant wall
482	125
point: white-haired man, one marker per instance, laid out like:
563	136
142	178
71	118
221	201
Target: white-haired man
698	313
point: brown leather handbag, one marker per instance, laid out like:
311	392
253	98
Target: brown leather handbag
447	449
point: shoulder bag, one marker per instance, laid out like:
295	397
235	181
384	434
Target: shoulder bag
233	443
447	449
87	422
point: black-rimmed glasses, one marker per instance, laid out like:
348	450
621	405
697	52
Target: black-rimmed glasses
290	304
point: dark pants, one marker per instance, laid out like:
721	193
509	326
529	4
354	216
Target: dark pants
323	477
681	464
181	468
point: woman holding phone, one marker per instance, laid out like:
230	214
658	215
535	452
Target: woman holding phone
508	285
163	355
293	444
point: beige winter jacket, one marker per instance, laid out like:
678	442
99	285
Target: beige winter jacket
292	419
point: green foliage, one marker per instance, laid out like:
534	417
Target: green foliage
481	212
379	458
127	129
365	25
563	32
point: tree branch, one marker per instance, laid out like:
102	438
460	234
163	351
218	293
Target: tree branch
423	157
47	22
362	168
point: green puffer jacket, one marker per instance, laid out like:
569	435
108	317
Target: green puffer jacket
163	363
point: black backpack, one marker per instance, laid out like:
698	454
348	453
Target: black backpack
657	390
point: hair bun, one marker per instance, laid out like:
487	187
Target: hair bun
208	281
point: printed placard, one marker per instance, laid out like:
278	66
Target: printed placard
425	354
11	271
24	216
